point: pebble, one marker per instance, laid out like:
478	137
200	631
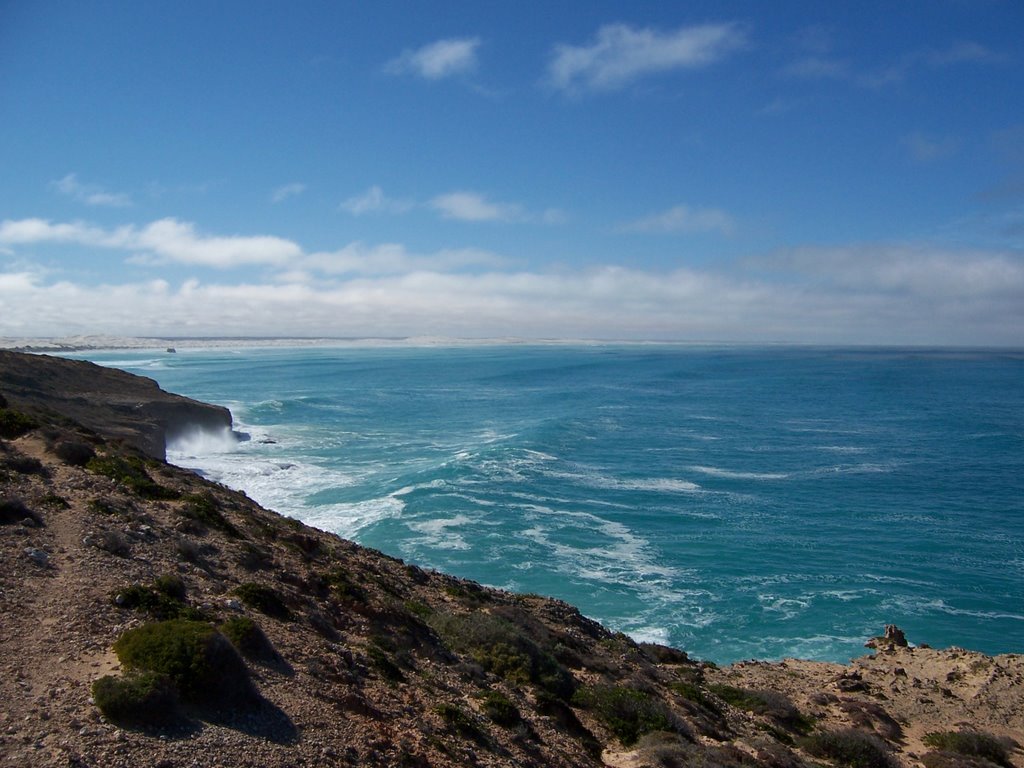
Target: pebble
38	556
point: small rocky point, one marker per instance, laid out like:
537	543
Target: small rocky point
354	658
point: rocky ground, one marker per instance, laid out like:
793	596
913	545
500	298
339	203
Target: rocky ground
366	660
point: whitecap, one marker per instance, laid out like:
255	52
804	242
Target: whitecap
732	475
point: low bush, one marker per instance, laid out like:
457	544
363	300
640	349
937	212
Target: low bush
264	599
130	473
204	509
25	465
341	584
851	748
114	542
14	424
971	744
462	723
74	452
246	635
382	662
13	510
164	600
501	648
199	661
629	713
145	699
500	709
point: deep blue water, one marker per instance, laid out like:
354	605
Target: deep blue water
735	502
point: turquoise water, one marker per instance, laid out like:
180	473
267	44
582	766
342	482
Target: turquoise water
734	502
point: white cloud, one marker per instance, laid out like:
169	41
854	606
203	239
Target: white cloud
867	293
470	206
444	58
91	194
167	238
374	200
620	54
393	258
682	218
287	190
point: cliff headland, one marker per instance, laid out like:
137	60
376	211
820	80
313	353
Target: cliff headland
150	617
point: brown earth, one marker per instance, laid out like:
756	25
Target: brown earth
374	661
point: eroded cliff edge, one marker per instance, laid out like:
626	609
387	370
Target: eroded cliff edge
111	402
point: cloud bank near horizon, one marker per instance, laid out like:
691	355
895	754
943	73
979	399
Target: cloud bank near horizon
867	293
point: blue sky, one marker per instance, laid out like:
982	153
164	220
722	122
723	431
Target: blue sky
733	171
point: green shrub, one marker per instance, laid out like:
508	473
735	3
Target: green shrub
130	473
149	601
199	661
971	744
14	424
691	691
13	510
501	648
461	722
203	508
383	663
144	699
246	635
500	709
852	748
74	452
627	712
263	599
342	585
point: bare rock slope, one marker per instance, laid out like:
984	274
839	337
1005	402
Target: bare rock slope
303	649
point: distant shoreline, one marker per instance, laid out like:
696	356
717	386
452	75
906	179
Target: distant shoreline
170	344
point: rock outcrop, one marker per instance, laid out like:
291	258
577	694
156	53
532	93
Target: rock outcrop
111	402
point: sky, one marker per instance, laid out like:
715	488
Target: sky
809	172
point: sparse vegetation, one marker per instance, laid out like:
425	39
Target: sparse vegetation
500	709
971	744
770	704
850	748
204	509
165	599
264	599
14	424
629	713
501	648
130	473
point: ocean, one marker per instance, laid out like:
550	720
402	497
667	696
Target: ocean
736	502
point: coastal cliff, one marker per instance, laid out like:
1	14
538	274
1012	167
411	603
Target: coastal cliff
150	617
108	401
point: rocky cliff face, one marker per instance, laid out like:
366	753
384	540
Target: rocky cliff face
213	632
116	404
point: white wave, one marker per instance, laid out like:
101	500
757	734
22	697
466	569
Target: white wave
842	448
439	533
348	519
198	443
732	475
596	480
913	605
657	635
